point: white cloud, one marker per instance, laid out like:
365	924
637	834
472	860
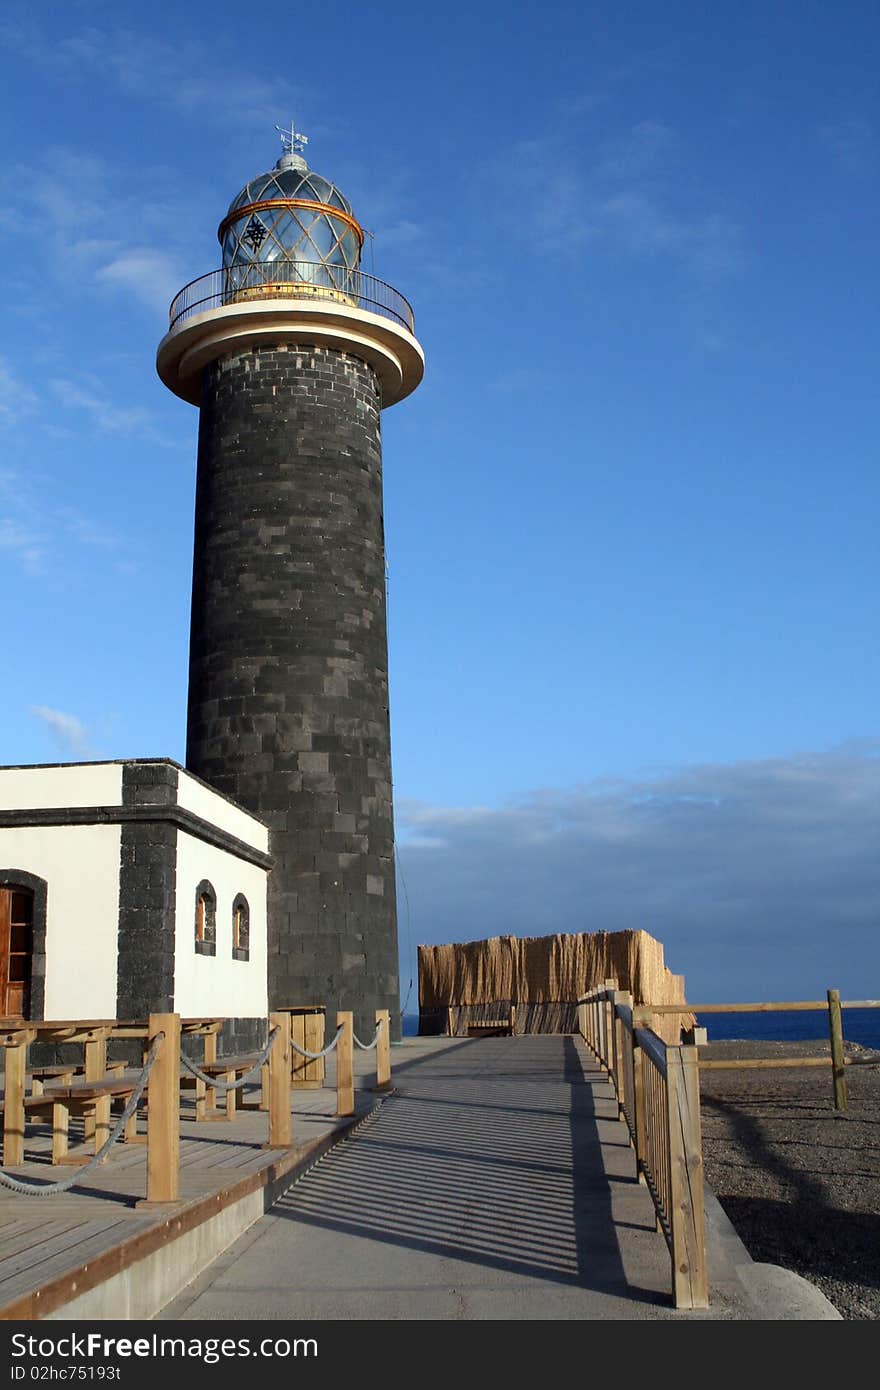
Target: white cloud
86	530
760	876
630	194
17	400
68	732
185	76
75	199
400	233
34	531
105	415
26	544
153	277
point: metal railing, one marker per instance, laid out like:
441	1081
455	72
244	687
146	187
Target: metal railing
658	1095
314	281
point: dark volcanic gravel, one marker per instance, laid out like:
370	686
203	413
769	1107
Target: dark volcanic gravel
800	1183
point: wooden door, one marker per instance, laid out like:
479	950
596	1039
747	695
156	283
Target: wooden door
16	949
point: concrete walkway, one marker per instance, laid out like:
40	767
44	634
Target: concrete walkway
497	1183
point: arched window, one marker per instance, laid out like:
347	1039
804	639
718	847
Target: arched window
206	919
241	928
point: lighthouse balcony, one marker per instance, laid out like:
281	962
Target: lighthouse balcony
313	281
255	304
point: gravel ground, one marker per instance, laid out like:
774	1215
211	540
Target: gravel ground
800	1183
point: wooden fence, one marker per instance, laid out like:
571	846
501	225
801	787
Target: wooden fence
90	1090
658	1095
837	1061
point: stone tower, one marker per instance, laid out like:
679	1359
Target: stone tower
291	351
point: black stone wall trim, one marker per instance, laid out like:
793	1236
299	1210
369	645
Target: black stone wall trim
206	948
127	815
149	784
147	894
20	878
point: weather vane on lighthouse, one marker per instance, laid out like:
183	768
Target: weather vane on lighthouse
292	141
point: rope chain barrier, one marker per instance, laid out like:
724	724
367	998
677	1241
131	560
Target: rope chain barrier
314	1056
368	1047
217	1082
28	1189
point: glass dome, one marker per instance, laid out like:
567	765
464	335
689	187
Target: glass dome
290	226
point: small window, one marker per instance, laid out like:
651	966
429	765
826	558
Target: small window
206	920
241	929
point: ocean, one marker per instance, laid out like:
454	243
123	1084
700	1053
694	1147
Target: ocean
859	1026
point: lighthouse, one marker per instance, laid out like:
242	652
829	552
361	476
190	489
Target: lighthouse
290	351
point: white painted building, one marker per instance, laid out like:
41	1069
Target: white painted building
129	887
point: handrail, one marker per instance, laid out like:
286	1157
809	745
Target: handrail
254	282
780	1007
832	1004
658	1094
652	1046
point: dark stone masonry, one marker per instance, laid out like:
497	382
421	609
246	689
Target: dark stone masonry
288	693
147	883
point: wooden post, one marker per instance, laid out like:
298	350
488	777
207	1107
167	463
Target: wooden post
60	1130
13	1105
512	1020
208	1100
640	1104
835	1028
95	1069
690	1280
279	1083
611	1032
611	987
697	1037
383	1050
314	1035
297	1061
450	1024
620	1043
345	1064
163	1115
101	1124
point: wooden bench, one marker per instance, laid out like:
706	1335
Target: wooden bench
490	1028
201	1027
90	1099
500	1026
62	1075
224	1069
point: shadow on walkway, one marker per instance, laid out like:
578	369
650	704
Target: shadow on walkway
488	1155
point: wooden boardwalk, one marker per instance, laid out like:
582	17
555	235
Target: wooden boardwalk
496	1183
54	1248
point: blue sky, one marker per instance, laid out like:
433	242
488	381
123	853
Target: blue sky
631	513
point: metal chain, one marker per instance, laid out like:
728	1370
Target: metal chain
304	1052
220	1085
23	1188
368	1047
